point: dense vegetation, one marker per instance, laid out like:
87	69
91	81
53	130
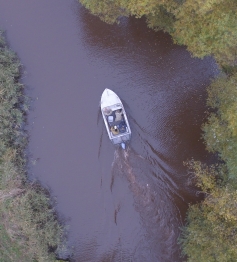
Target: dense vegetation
221	129
29	230
207	28
210	234
211	231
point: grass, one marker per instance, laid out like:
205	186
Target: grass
29	228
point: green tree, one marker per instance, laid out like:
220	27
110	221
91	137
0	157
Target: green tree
107	10
158	13
220	131
208	28
211	231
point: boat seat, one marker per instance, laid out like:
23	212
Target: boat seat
119	115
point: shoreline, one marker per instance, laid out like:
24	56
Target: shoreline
29	227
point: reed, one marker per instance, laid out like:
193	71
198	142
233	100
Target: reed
29	228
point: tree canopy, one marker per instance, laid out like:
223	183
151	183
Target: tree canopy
107	10
211	231
158	13
220	131
206	27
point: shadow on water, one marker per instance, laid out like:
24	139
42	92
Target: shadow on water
127	44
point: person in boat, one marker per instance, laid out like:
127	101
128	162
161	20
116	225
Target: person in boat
114	130
122	127
118	115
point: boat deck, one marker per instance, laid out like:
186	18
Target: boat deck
121	139
115	118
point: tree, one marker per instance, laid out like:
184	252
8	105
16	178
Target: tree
158	13
220	131
107	10
211	231
208	28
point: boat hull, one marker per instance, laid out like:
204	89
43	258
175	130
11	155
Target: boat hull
115	118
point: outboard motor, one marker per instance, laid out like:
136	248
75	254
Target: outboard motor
123	145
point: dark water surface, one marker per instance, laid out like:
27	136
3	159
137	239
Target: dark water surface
120	205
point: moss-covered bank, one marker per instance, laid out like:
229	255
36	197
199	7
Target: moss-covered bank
29	229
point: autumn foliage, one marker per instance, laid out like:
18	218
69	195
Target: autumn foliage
211	231
220	131
206	27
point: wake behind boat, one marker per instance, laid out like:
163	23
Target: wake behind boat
115	118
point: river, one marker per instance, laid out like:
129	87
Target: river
119	205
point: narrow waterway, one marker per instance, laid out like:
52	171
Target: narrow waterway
120	205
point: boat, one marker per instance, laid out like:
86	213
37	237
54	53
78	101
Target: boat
115	118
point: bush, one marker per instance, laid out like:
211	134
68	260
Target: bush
211	230
220	131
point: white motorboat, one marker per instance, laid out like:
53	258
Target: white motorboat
115	118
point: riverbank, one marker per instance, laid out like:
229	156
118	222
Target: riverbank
192	24
210	232
29	229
